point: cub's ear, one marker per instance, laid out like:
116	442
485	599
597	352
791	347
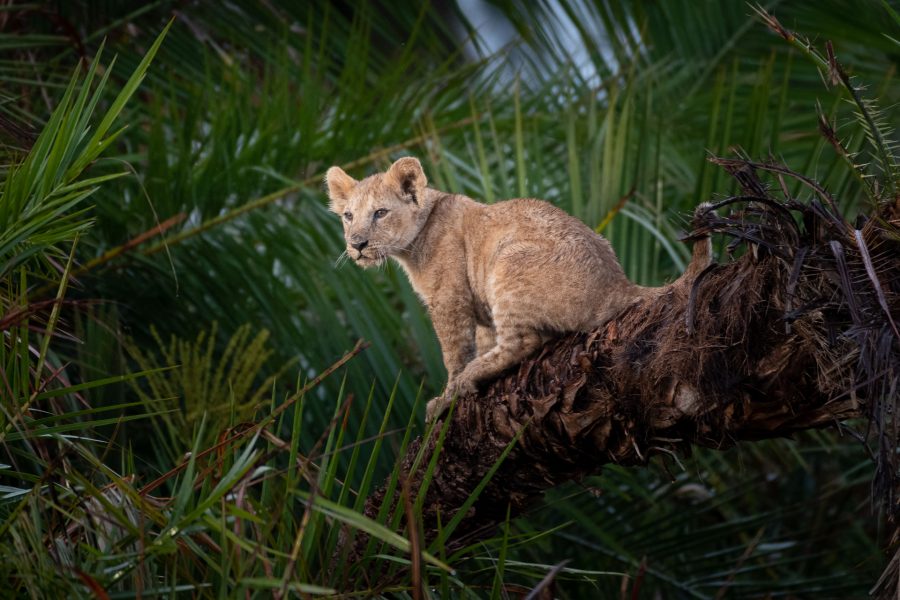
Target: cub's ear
408	175
340	185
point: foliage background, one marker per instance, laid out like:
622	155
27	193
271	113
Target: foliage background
242	109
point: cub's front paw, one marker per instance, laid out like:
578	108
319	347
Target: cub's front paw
436	407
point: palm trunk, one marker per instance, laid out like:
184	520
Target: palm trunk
797	333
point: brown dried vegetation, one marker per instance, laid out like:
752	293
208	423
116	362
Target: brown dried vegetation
798	332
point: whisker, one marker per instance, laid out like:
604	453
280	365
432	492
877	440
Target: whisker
341	259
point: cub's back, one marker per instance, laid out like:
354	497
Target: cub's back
558	270
548	229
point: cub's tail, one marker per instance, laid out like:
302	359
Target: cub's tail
702	253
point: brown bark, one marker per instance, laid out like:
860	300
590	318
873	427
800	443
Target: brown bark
795	334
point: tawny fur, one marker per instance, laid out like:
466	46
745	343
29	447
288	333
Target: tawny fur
498	279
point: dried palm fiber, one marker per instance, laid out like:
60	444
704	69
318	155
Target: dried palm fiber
799	332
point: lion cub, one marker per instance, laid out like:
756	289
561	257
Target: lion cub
498	279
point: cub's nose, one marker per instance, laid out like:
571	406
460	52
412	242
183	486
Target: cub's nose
360	245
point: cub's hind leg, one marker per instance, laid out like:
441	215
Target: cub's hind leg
485	339
517	310
515	342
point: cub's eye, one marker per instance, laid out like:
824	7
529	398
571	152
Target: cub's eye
348	216
380	213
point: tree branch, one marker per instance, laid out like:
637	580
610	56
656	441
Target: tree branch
790	336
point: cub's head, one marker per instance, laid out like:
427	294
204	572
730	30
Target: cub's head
383	213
